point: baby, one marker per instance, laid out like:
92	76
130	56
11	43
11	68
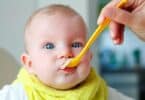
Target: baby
53	35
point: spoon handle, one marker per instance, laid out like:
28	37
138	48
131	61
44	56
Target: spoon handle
75	61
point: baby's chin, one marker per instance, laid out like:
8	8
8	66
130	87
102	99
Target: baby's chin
68	84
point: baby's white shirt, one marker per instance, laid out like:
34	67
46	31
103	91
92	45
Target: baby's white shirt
13	92
16	92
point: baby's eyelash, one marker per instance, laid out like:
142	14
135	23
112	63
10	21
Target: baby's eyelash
77	44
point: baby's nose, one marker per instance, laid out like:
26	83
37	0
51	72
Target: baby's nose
65	53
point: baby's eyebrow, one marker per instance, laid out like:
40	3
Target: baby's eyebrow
45	42
80	39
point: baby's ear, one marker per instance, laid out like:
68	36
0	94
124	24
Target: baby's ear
26	61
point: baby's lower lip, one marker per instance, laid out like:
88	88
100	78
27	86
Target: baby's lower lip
69	70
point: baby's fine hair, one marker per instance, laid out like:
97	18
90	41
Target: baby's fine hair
52	9
48	10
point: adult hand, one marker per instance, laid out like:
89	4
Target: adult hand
132	14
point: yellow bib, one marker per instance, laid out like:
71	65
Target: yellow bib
93	88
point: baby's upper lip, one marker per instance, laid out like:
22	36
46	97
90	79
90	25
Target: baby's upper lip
63	64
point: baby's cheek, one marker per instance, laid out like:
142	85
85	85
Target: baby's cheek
84	70
87	58
76	51
86	63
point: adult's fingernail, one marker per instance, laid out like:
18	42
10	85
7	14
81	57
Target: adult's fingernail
117	41
112	35
100	20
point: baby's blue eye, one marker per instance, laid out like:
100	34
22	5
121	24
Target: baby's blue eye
49	46
77	45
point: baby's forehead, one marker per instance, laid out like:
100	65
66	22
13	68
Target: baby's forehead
57	22
52	17
44	18
57	15
51	27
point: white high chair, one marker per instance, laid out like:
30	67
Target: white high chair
8	67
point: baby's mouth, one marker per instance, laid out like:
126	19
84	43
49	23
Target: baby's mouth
65	63
69	70
63	66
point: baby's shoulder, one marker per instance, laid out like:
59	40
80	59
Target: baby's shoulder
116	95
13	92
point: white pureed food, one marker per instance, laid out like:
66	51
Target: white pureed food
67	61
62	63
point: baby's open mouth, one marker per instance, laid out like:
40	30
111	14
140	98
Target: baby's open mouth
69	70
66	68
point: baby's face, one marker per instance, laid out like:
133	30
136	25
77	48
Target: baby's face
54	39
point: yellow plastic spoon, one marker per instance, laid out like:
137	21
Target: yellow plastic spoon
75	61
